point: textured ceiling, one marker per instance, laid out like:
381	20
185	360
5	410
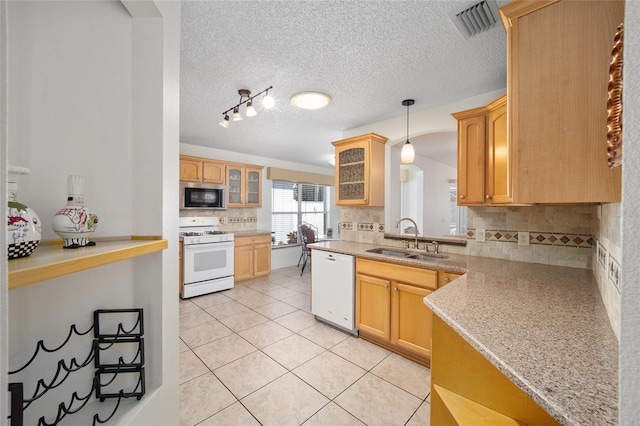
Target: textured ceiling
367	55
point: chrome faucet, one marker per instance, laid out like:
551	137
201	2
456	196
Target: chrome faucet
415	228
435	243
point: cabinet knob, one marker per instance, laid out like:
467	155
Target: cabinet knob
461	196
487	196
446	280
386	286
395	289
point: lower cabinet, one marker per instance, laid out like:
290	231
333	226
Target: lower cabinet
389	306
252	257
466	387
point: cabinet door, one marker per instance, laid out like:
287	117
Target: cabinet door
261	259
235	180
471	160
373	306
243	262
411	319
499	189
213	172
557	64
253	187
352	170
190	170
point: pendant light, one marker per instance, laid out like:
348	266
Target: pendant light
408	153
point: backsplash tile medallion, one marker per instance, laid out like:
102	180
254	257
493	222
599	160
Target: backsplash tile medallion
365	226
614	272
602	255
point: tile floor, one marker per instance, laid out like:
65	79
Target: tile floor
255	355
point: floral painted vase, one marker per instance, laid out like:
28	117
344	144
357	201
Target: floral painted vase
75	223
24	230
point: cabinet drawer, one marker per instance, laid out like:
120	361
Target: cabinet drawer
425	278
253	239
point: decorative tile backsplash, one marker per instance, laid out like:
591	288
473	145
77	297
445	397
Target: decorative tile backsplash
542	238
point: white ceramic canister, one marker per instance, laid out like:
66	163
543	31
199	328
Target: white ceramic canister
75	222
24	230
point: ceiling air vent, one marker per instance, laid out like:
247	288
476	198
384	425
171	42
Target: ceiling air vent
475	19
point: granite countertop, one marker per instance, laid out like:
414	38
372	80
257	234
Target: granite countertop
544	327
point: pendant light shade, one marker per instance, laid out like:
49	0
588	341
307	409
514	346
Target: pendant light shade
408	154
251	111
268	101
236	114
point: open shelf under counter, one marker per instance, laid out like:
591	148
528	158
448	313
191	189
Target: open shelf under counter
52	260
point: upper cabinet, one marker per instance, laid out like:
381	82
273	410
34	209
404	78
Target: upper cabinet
194	169
244	180
484	155
245	185
558	55
359	177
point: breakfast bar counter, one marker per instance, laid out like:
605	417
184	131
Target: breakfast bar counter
544	327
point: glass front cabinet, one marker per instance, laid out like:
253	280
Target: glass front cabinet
245	185
359	177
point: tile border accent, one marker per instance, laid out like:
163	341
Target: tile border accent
613	272
602	254
241	220
365	226
540	238
346	226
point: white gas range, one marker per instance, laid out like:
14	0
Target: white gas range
207	258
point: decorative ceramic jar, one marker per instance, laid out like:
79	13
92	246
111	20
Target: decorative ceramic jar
23	224
75	223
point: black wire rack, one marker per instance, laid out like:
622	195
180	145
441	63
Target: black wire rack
117	354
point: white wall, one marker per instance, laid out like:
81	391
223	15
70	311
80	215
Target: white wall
4	318
94	90
630	284
433	194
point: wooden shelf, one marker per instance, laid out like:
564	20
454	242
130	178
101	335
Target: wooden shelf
52	261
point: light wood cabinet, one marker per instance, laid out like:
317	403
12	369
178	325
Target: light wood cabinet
252	257
465	386
389	306
484	155
558	55
359	177
245	185
194	169
445	277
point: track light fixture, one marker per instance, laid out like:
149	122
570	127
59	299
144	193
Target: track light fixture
267	102
408	153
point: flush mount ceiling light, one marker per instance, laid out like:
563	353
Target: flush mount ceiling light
310	100
267	102
408	153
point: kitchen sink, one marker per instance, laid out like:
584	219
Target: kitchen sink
428	256
389	252
407	254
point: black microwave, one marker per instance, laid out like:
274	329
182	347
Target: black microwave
203	196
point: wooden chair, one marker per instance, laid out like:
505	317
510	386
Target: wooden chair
307	234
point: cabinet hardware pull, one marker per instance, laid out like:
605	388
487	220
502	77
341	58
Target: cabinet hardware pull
386	286
446	280
395	289
487	196
461	196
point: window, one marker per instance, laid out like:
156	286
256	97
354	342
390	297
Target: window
458	215
292	203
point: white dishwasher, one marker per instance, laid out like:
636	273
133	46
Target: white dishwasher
333	288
